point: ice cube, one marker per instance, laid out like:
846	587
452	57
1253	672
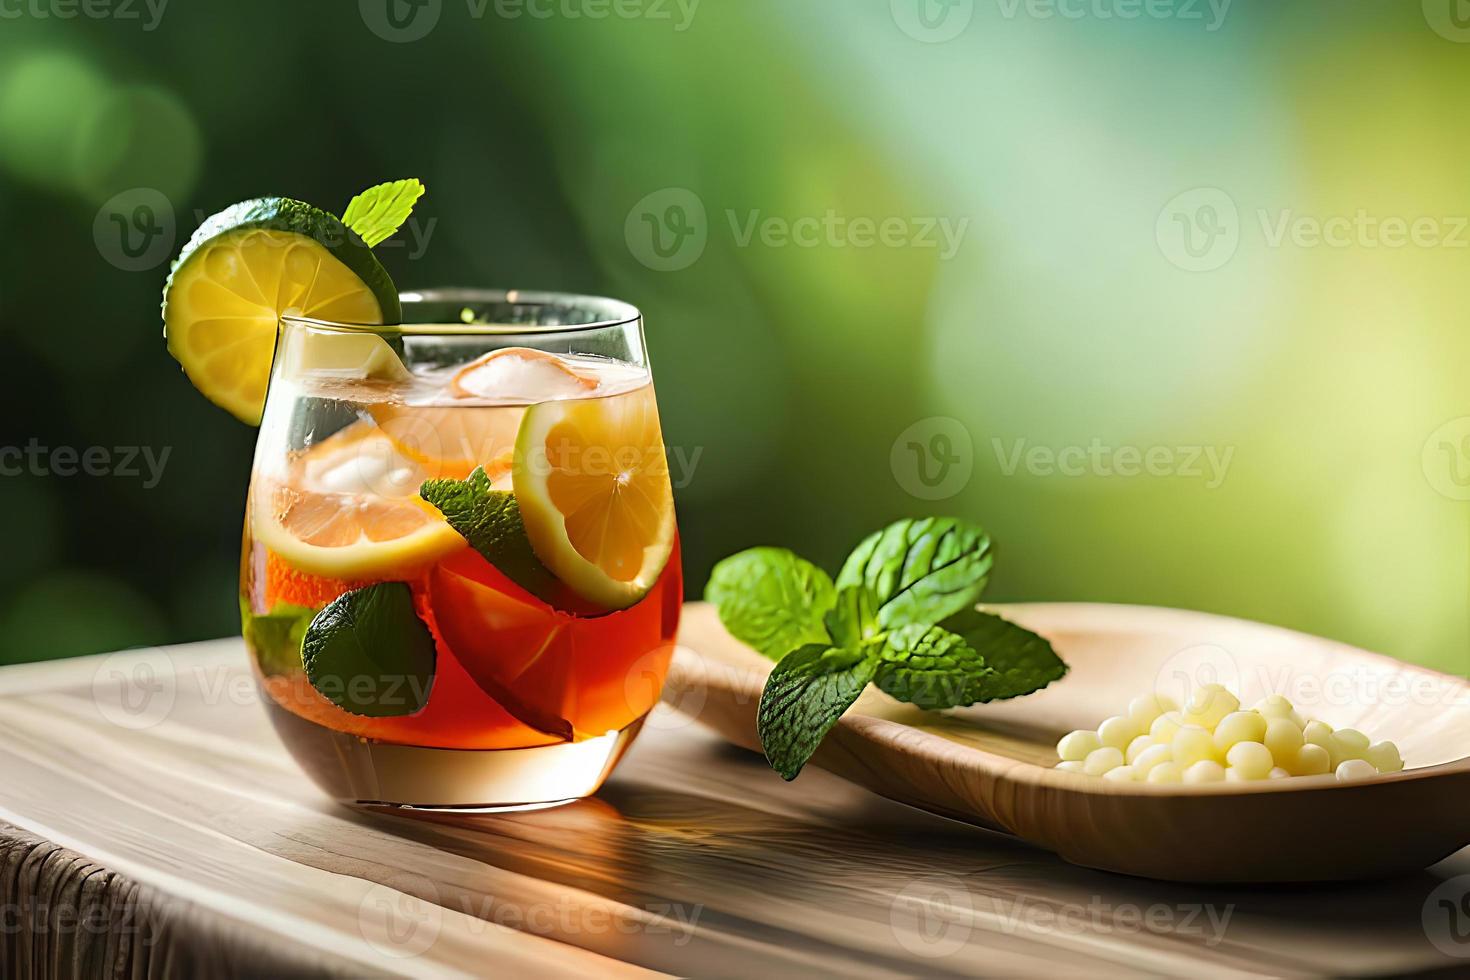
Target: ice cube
520	374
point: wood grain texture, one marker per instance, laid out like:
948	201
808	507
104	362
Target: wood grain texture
153	781
991	764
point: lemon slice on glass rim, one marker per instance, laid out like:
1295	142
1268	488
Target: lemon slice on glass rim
241	270
592	484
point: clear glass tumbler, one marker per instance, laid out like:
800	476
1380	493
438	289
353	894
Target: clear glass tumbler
460	576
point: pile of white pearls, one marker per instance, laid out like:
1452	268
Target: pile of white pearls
1212	740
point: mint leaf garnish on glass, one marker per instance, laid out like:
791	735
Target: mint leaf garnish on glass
378	212
369	653
901	614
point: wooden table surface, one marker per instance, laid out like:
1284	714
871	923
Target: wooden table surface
151	825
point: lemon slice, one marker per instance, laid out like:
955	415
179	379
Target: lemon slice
593	489
348	509
246	266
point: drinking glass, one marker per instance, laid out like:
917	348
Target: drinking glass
460	577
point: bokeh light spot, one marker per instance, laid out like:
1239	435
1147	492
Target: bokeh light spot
45	99
138	136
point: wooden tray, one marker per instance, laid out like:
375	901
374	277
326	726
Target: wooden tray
990	765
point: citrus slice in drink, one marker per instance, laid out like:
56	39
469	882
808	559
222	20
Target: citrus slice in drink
449	442
593	489
246	266
348	509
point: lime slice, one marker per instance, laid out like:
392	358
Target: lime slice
246	266
593	489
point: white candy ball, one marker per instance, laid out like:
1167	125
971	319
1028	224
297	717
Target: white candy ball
1165	726
1137	747
1278	773
1356	769
1311	760
1118	731
1121	774
1317	733
1192	744
1210	704
1166	772
1385	757
1239	726
1252	759
1149	758
1275	706
1101	760
1070	766
1074	747
1283	738
1205	771
1342	746
1147	707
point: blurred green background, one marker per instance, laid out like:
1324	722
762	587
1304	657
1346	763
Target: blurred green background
1178	233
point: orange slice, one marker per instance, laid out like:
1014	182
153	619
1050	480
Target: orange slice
449	442
592	484
349	509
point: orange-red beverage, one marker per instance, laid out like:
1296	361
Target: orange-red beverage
460	580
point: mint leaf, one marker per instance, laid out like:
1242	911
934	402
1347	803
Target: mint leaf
276	636
770	599
803	698
490	520
931	667
369	653
921	570
854	619
379	211
1023	661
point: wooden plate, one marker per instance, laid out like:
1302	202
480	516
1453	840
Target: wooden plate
990	765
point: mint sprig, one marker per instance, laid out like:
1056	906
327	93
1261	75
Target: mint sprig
490	520
901	614
378	212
